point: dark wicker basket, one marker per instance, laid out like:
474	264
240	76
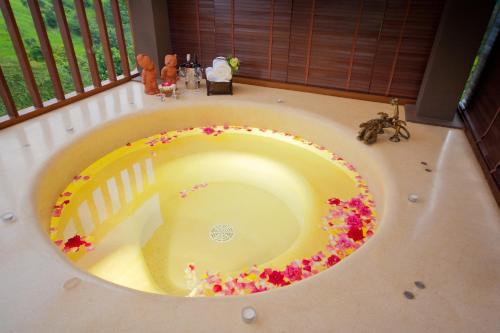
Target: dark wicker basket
219	88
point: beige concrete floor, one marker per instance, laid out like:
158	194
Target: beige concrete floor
449	239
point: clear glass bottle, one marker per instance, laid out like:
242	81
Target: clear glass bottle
191	71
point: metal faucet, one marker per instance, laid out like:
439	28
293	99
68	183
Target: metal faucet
370	129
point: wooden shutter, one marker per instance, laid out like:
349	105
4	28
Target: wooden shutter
207	32
301	15
224	27
377	47
252	22
366	45
333	37
183	28
415	47
280	44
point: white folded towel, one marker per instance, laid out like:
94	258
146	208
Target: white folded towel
218	60
209	72
223	71
220	72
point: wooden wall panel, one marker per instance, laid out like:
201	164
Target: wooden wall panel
299	37
224	28
183	28
416	45
372	46
386	52
252	21
281	40
366	45
207	32
334	26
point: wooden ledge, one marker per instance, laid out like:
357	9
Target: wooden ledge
321	90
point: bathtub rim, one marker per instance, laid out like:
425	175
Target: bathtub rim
386	189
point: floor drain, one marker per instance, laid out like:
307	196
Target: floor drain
221	233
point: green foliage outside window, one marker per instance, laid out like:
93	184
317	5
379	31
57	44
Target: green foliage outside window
10	65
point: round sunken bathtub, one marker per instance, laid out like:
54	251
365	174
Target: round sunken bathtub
211	200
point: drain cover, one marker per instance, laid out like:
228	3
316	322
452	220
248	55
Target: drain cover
221	233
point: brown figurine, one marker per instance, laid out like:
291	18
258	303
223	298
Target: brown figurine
148	74
169	71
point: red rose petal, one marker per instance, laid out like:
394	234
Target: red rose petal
356	234
276	278
208	130
74	243
334	201
332	260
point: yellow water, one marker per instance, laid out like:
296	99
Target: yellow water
148	208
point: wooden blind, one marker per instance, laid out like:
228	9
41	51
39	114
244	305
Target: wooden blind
184	32
300	22
372	46
252	26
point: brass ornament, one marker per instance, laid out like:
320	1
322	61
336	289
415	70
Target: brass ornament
370	129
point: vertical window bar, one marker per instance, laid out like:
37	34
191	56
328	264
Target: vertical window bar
131	25
7	97
120	37
68	45
87	40
103	33
36	15
17	42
